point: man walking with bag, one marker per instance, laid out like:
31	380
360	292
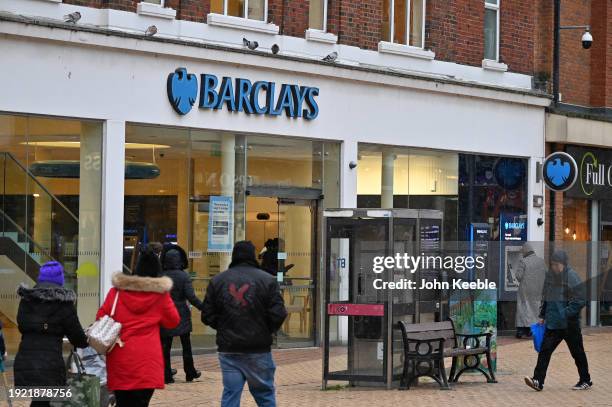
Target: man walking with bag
245	306
562	299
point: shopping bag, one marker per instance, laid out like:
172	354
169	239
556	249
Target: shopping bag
85	388
537	332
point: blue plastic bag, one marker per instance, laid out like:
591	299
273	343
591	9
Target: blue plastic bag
537	332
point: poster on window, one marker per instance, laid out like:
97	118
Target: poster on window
220	224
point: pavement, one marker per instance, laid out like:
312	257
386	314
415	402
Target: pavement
298	379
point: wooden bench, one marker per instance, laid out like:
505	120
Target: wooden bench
426	345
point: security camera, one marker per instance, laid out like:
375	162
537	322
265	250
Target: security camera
587	40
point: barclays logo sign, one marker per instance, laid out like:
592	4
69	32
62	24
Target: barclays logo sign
514	225
559	171
240	95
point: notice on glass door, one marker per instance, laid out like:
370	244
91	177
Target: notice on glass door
220	224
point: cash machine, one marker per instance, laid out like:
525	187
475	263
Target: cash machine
361	342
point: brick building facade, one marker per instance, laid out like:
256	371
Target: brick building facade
453	29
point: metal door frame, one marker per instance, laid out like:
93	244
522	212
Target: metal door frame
383	378
310	197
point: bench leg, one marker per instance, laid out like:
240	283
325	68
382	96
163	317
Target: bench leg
491	378
453	370
406	379
442	369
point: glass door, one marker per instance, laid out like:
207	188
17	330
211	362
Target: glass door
296	269
283	231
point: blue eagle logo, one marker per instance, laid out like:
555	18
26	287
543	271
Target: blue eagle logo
557	172
182	90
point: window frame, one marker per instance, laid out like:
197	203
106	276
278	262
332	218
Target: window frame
495	7
324	25
245	11
392	24
160	4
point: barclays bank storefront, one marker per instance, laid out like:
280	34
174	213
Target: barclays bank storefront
112	140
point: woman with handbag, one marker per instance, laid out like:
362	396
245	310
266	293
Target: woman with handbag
46	314
135	366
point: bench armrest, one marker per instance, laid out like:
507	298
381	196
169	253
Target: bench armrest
476	337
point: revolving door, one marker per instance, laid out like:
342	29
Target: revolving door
361	342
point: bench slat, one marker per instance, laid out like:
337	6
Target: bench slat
429	326
431	335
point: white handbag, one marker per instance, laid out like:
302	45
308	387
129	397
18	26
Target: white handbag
103	335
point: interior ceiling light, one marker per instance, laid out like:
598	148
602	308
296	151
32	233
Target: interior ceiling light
77	144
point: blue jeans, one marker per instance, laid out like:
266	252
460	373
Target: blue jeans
257	369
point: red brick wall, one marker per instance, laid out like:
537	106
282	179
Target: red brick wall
86	3
356	23
601	77
455	32
469	43
585	75
290	16
454	28
516	45
543	42
575	72
191	10
441	28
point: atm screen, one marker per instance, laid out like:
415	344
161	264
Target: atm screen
430	236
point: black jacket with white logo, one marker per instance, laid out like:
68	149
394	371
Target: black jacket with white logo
245	306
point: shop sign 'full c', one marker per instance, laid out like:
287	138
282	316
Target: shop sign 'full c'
241	95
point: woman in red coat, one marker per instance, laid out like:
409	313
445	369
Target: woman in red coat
136	369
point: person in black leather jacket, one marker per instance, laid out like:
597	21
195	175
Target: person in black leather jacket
245	306
174	262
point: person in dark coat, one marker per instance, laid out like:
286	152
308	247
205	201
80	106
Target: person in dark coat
174	262
563	297
245	306
46	314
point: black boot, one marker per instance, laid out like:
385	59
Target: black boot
192	376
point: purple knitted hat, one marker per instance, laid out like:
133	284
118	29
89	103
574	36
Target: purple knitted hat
51	272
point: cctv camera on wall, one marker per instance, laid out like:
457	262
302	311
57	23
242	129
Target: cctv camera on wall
587	40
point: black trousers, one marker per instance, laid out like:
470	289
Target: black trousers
188	366
133	398
552	338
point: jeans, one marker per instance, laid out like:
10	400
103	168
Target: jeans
188	366
257	369
133	398
552	338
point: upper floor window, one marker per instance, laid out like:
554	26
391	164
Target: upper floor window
491	30
317	15
404	22
252	9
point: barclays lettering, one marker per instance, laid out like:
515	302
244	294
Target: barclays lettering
241	95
